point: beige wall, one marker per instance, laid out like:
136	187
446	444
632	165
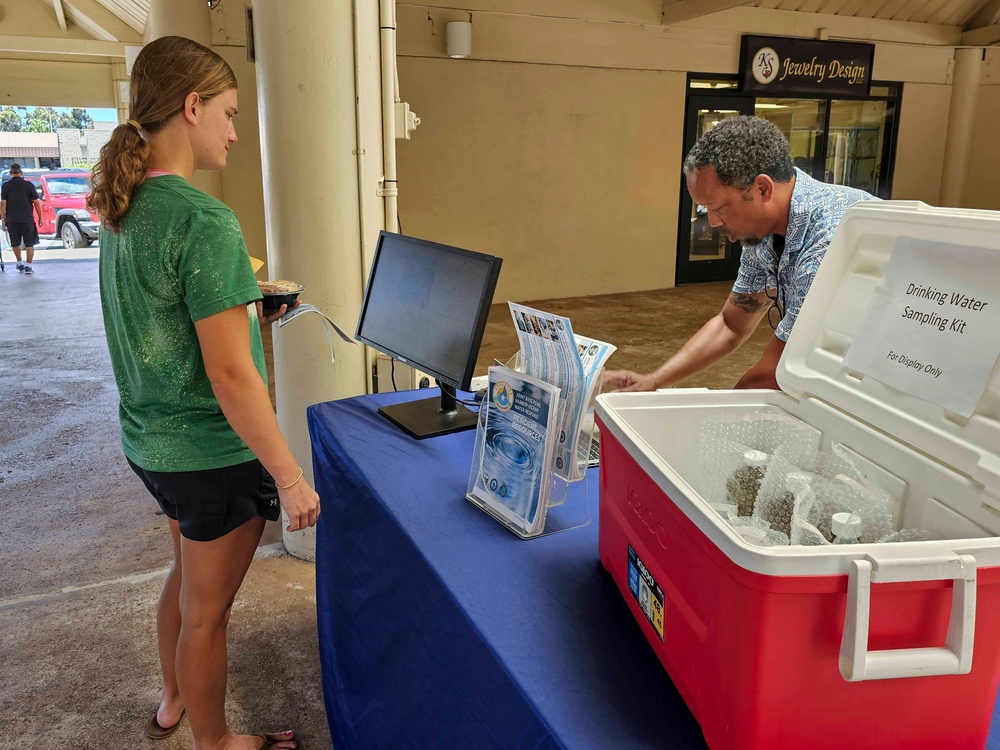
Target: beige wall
983	186
920	150
559	145
559	170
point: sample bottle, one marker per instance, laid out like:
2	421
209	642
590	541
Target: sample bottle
744	484
779	511
846	528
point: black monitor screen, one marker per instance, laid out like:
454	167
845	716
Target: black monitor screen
426	304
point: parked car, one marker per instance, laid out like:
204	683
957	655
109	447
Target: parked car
24	172
63	193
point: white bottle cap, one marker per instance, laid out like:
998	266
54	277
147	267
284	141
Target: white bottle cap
755	458
846	526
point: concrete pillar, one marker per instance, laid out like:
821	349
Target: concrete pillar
961	122
120	80
187	18
318	194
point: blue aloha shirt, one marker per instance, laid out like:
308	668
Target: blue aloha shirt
816	211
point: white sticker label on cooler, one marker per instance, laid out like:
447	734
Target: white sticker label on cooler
931	327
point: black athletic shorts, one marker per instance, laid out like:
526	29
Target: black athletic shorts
210	503
22	231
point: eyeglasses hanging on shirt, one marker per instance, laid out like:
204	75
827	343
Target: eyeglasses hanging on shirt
777	309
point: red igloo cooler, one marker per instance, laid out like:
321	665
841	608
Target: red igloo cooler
877	646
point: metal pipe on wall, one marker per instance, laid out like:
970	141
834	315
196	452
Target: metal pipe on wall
387	10
360	153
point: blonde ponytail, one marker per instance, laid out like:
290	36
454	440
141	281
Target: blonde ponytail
122	166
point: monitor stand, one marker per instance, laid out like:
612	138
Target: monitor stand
430	417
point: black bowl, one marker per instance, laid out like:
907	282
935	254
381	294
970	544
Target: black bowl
274	301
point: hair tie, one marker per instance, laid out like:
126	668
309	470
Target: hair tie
134	124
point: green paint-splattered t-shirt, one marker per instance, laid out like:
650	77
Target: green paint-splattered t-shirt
178	257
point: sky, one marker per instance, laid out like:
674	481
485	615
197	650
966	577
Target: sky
98	115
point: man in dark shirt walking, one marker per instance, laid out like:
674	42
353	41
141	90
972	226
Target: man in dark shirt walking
17	199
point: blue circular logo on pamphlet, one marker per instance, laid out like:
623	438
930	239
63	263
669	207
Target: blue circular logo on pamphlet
503	396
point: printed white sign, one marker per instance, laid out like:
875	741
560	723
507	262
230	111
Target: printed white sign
931	328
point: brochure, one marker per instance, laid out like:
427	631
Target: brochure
514	476
594	354
551	351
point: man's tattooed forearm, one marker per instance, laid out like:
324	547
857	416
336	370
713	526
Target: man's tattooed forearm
746	302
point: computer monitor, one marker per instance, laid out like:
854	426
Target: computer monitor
426	305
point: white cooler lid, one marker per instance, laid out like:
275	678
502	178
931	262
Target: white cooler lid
835	309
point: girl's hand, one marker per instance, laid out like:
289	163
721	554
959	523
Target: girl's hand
275	315
301	504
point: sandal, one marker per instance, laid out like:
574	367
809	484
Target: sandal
155	732
270	740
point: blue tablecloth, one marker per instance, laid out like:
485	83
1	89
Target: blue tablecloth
439	628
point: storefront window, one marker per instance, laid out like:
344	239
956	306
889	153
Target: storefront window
855	142
707	243
801	120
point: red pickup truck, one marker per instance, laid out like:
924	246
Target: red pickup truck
64	207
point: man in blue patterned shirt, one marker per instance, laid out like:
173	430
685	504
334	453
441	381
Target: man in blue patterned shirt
741	171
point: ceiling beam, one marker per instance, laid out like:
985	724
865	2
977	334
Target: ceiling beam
675	11
983	37
129	12
100	22
988	15
60	46
60	13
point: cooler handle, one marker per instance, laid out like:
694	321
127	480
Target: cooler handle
857	663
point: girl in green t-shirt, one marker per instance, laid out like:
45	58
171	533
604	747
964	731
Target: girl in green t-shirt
178	295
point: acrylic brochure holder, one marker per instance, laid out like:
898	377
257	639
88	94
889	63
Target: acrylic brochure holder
568	504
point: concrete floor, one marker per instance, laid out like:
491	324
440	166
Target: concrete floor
84	554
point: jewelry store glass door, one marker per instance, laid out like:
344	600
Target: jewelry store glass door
704	254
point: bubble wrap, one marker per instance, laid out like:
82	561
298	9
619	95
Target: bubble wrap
754	495
758	532
910	535
836	487
726	476
803	531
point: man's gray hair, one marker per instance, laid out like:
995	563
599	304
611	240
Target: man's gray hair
740	148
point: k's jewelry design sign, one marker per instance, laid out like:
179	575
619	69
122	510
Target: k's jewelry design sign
931	327
776	66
